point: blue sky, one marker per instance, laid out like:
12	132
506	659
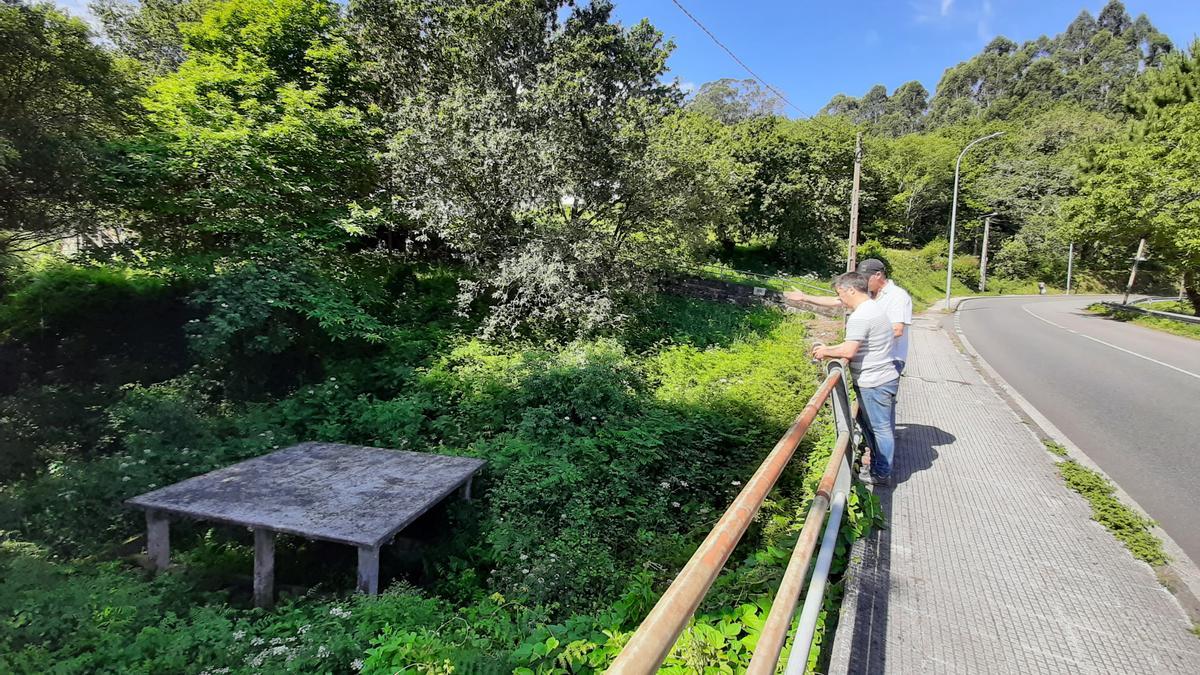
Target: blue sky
813	50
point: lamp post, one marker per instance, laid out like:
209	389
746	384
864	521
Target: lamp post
954	210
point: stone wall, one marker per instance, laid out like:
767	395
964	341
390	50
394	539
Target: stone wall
739	294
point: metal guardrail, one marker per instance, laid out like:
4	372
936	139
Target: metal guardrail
1183	318
656	635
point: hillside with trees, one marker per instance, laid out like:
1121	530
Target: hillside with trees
228	226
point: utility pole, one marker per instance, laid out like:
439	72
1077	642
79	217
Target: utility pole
1133	272
852	250
1070	260
987	226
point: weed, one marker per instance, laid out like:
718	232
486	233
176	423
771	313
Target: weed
1125	524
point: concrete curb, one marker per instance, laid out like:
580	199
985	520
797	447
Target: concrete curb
1181	576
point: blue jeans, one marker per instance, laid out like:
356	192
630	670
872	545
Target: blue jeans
877	416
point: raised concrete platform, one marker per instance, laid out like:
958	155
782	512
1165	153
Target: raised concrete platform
990	564
341	493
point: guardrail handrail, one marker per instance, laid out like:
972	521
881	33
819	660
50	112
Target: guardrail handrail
656	635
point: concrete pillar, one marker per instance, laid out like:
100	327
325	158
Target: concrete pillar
264	568
368	570
158	539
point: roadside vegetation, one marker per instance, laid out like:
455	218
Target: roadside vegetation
1160	323
1123	522
227	226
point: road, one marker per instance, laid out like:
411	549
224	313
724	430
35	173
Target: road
1128	396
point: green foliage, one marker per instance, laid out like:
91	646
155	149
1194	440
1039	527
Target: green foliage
148	31
1155	322
253	140
65	358
1125	524
553	178
1055	448
61	97
730	101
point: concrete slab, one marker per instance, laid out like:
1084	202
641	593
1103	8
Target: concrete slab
341	493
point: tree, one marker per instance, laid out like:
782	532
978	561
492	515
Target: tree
148	31
528	140
1148	188
1091	63
61	97
1146	185
731	101
256	140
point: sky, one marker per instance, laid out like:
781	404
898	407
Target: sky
811	50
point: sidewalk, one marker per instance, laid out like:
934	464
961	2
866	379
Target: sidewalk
990	563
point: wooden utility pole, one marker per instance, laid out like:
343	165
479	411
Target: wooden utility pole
1070	262
852	250
1133	272
987	226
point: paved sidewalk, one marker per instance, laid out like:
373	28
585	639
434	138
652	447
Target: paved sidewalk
990	563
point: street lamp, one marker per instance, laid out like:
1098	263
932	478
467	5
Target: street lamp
954	211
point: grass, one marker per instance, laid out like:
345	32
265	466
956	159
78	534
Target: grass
1124	523
1188	330
1055	448
1173	306
921	272
924	277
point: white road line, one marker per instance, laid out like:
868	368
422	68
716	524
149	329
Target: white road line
1025	309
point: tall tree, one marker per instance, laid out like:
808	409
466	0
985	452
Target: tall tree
524	133
731	101
61	97
1147	185
256	139
148	31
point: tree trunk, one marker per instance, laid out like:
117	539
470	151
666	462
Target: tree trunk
1191	288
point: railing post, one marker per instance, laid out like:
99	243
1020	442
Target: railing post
839	398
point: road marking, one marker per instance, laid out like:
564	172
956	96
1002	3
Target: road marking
1025	309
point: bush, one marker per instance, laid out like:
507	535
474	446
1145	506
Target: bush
966	271
874	249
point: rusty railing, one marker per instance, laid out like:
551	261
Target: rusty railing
656	635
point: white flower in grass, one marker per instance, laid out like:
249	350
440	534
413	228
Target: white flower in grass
322	652
257	641
735	483
675	504
239	634
357	664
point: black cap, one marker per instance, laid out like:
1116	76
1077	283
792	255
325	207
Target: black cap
871	266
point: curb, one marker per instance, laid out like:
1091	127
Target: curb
1181	576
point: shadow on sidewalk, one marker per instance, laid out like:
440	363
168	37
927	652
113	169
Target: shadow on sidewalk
916	450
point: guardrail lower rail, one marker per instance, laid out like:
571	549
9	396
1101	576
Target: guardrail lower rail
656	635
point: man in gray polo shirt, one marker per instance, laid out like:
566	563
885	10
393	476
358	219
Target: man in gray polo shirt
893	300
868	345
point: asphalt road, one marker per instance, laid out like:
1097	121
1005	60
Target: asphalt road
1128	396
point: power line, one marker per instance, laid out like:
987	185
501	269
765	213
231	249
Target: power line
739	61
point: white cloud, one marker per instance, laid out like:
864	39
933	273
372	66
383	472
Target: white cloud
946	5
687	87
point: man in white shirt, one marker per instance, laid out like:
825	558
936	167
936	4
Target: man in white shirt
895	303
868	346
893	300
